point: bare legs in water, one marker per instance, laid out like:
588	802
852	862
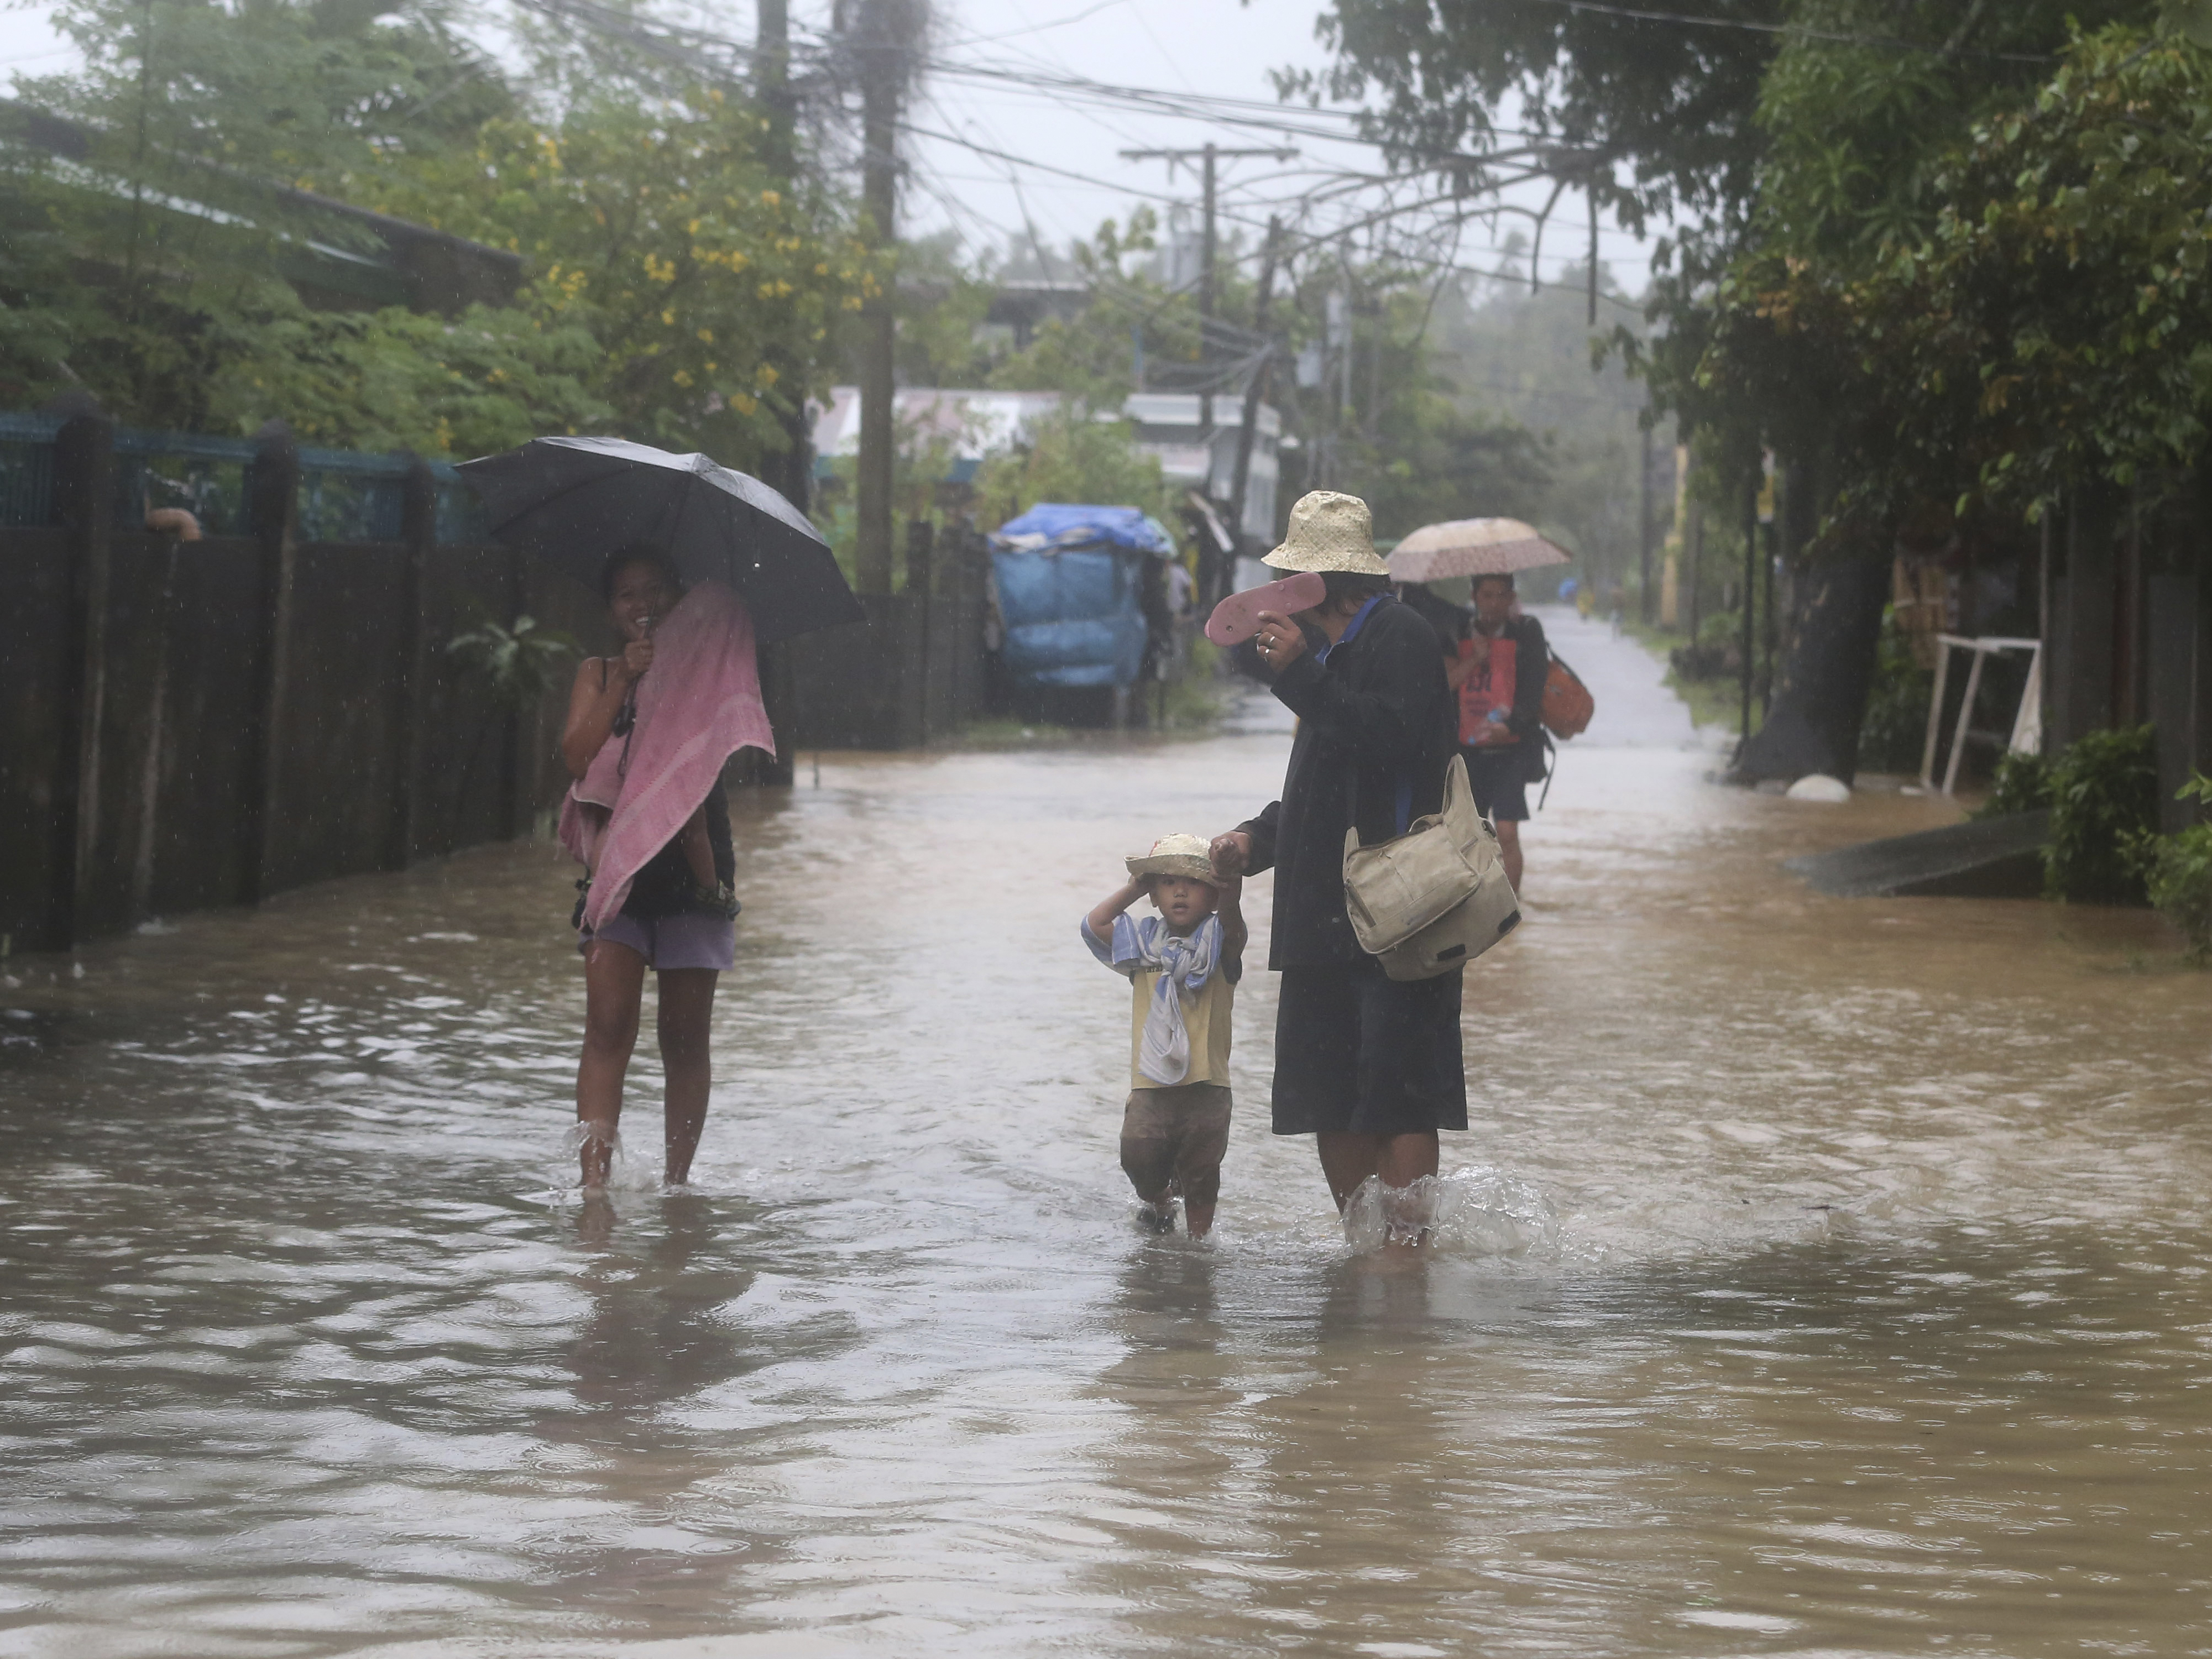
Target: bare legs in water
1348	1159
614	991
1398	1161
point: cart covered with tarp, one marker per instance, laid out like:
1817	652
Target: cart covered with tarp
1071	581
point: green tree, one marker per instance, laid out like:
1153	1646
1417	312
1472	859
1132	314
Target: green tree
146	264
1818	146
1075	455
2053	323
391	380
677	289
1093	357
658	228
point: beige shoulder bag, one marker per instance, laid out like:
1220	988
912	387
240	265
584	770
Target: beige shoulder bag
1436	897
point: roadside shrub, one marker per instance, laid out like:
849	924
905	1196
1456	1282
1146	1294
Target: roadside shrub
2179	873
2104	804
1716	653
2021	784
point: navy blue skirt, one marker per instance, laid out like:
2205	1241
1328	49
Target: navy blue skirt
1356	1051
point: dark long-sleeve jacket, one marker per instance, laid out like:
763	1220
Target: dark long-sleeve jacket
1378	711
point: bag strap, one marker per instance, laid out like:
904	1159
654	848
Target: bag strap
1405	801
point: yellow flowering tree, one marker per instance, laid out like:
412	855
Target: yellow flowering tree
657	230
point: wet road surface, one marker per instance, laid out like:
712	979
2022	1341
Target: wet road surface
1858	1304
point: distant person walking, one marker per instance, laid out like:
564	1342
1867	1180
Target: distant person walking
1499	678
1369	1066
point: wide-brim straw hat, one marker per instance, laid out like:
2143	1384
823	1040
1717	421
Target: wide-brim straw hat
1329	531
1177	855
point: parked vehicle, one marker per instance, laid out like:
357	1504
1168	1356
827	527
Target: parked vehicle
1071	581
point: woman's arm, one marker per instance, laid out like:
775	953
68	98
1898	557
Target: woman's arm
1249	848
596	698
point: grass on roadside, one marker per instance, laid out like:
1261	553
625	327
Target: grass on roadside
1710	701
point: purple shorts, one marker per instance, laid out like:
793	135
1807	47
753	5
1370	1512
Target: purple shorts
678	941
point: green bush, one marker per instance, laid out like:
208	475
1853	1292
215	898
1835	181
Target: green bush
1895	727
2104	804
2179	871
2022	784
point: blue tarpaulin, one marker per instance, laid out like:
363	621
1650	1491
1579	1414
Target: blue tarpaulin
1069	582
1057	526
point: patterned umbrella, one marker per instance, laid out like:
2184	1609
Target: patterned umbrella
1472	547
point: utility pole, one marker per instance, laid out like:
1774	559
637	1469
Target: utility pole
1208	247
1255	390
1209	157
881	47
772	89
772	84
792	472
1644	534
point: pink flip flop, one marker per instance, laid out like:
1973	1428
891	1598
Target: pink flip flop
1237	616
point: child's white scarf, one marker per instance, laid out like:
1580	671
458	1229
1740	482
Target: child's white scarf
1184	964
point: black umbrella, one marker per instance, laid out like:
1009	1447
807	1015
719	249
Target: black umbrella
571	502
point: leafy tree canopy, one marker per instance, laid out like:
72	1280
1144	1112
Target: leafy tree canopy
1074	455
656	228
676	289
2053	322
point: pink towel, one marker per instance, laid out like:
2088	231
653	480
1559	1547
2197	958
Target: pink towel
698	705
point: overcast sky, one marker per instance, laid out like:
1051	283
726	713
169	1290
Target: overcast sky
1057	165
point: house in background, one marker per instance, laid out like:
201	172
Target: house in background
973	424
360	261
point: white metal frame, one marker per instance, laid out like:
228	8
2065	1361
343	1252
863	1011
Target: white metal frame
2027	722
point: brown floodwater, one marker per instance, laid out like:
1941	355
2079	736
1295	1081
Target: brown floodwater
1818	1277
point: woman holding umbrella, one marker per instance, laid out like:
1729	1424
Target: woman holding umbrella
676	917
1499	680
1498	662
648	729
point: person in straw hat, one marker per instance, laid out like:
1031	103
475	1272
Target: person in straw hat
1183	965
1369	1066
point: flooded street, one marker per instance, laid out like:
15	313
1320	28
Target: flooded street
1870	1316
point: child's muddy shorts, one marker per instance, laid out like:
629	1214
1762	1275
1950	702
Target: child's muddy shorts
1171	1134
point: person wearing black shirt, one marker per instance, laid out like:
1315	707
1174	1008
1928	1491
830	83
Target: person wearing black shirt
1369	1066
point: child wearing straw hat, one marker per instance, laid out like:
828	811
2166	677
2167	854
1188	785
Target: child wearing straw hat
1183	965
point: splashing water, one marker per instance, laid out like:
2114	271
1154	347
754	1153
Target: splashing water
566	1176
1478	1211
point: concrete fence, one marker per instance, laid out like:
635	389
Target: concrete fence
189	724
